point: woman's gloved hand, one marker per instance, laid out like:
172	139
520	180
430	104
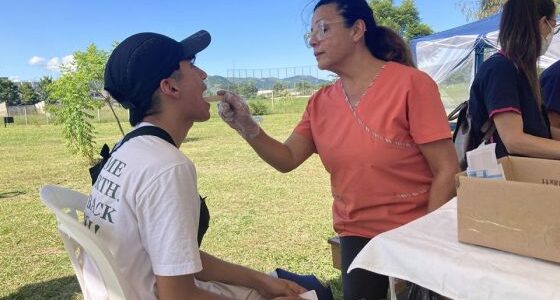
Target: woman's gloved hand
235	112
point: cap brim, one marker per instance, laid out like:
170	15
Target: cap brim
196	43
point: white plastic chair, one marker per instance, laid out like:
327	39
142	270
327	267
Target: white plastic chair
66	204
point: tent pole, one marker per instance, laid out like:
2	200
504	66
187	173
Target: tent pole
478	56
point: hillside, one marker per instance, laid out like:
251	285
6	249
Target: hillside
215	83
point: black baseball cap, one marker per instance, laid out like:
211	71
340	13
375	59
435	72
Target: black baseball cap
138	64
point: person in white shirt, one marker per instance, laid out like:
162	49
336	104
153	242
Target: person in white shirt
144	205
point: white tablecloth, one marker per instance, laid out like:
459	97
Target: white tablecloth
428	253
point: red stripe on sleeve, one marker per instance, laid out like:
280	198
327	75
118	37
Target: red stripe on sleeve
505	109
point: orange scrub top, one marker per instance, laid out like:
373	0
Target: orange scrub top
379	178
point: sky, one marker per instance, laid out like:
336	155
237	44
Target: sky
37	36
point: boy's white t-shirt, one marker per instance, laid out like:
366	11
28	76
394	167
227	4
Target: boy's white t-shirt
145	208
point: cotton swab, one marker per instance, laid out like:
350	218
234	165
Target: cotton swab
214	98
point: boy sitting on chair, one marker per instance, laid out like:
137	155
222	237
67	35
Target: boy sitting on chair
144	205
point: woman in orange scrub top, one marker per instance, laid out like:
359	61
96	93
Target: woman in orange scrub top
380	131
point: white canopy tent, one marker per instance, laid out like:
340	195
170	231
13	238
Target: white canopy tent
452	57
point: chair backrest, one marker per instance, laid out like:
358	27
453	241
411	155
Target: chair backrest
66	204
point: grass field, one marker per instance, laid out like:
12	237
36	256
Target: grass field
104	114
260	217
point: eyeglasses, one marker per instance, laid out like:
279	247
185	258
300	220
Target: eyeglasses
554	29
320	31
191	59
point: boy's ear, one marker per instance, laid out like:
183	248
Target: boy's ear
167	87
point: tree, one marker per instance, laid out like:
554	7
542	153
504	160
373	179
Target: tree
278	87
9	92
404	19
304	88
74	92
479	9
248	89
28	94
42	89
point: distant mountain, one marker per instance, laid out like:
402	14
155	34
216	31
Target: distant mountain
215	83
291	81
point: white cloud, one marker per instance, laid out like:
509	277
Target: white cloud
68	59
55	63
36	60
14	78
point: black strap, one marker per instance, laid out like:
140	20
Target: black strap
95	170
488	129
454	114
145	130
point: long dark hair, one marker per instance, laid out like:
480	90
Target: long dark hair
382	42
520	37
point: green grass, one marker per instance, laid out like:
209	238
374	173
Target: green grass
104	114
260	217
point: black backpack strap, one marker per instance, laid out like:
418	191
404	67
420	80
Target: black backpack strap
454	114
464	136
146	130
106	154
488	129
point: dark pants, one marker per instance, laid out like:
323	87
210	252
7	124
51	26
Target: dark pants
359	284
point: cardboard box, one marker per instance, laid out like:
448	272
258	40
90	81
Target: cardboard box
519	215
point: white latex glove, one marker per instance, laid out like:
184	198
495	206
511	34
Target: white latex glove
235	112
